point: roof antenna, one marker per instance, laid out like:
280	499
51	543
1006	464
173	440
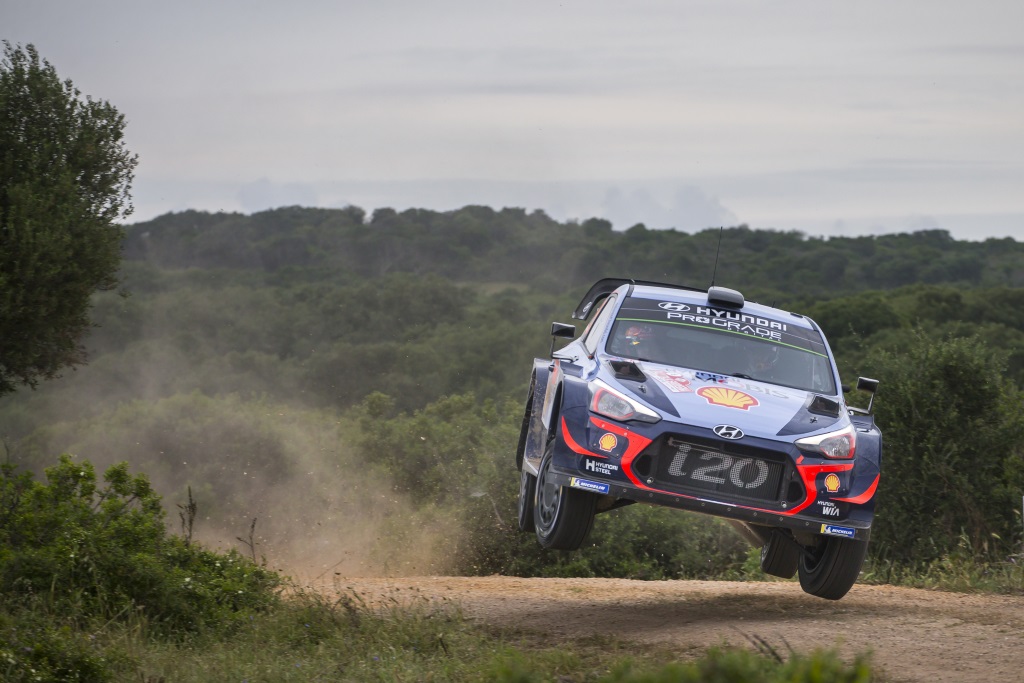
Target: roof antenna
717	252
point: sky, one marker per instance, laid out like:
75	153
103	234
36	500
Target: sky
832	118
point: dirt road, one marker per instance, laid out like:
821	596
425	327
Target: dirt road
915	635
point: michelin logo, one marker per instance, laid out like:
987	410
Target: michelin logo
832	530
586	485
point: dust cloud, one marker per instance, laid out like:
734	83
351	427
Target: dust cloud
271	476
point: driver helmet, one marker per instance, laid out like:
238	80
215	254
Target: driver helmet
637	334
763	357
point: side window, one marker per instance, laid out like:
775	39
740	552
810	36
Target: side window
592	335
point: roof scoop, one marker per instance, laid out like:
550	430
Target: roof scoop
723	296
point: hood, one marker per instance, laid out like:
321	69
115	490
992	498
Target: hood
705	399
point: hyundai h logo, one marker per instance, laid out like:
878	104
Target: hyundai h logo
673	306
728	432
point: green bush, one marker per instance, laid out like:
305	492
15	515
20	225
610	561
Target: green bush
731	666
953	461
719	665
452	451
34	647
82	551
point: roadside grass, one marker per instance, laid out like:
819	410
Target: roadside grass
953	573
963	570
321	635
311	638
335	635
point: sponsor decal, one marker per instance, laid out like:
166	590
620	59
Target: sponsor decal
728	432
729	398
673	306
732	322
741	317
599	466
833	530
722	320
828	508
587	485
675	380
832	483
710	377
607	442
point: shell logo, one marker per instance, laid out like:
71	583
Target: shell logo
832	483
730	398
607	442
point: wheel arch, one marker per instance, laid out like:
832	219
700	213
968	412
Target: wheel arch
524	429
534	429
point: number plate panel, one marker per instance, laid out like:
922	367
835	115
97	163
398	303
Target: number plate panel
696	467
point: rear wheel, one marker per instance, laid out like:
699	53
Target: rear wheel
527	492
829	569
780	556
562	515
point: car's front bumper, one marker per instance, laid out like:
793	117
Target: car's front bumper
817	496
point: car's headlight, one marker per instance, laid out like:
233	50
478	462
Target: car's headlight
615	405
839	445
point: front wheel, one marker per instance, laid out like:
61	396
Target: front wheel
562	515
830	569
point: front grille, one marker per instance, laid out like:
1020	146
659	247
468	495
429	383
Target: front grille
688	466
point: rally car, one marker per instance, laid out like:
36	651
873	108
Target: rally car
700	400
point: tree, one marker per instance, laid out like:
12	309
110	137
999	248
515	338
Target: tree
953	466
65	178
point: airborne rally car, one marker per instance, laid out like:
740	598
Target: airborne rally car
703	401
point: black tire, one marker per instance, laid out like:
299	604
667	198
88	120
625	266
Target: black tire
562	516
527	493
780	556
831	568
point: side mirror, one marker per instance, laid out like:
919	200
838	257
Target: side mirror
561	330
869	385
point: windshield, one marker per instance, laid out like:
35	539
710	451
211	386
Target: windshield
722	342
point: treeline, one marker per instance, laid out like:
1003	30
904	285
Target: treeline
479	244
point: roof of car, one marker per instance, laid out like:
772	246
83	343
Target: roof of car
700	298
657	290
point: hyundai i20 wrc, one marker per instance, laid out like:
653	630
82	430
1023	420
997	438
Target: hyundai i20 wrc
703	401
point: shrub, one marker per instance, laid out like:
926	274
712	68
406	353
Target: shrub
36	648
88	552
952	466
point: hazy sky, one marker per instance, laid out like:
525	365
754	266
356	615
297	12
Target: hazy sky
824	116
